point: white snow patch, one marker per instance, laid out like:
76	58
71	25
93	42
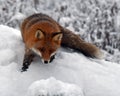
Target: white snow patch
53	87
7	56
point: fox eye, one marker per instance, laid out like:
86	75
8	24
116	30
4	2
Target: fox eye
39	34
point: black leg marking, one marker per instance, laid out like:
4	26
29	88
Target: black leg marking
28	58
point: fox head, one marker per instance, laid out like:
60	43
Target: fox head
45	40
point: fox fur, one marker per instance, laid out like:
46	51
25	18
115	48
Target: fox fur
32	36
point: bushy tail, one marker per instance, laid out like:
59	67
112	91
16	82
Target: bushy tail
74	41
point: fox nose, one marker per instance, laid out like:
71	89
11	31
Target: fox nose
46	62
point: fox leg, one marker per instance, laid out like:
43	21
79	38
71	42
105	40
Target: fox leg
74	41
28	58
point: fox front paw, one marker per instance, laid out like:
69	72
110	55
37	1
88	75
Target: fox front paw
25	66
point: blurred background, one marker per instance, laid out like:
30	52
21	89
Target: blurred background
96	21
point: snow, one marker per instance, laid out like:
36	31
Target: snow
70	74
53	87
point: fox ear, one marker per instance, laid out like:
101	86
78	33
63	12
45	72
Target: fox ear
39	34
58	37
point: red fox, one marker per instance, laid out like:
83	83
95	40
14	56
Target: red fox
44	36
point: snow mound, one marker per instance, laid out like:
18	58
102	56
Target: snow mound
6	53
53	87
81	74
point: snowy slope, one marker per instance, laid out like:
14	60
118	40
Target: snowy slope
70	74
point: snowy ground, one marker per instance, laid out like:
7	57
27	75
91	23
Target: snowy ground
70	74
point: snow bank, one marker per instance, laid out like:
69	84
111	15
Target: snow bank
93	77
53	87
